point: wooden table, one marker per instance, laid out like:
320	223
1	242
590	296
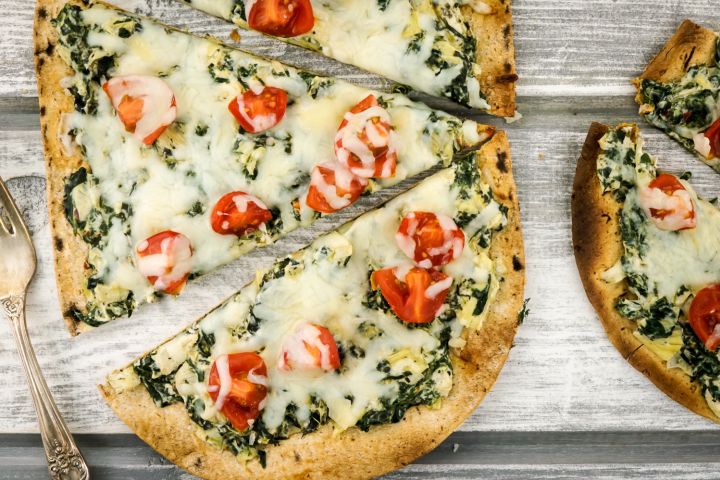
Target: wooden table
566	404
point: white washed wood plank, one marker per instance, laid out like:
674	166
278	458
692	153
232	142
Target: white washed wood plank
563	374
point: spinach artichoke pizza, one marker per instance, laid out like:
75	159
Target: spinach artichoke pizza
458	49
354	355
169	155
647	249
679	91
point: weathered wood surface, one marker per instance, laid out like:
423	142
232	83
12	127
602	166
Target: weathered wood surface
564	378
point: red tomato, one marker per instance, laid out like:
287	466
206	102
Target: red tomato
238	385
257	112
418	297
432	240
705	316
713	134
310	347
668	204
364	140
332	187
238	213
145	105
281	18
165	259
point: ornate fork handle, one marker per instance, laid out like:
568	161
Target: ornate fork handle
65	461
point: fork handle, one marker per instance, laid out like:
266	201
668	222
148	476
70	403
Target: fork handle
65	462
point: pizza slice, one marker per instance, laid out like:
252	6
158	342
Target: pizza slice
459	50
353	356
679	91
648	254
169	155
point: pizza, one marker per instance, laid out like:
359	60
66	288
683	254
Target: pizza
169	155
354	355
646	246
461	50
679	91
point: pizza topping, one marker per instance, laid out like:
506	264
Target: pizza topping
310	347
165	259
415	297
258	110
145	105
281	18
712	135
365	141
239	213
238	386
668	204
431	239
705	316
333	187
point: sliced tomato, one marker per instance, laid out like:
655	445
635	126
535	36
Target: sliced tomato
238	385
145	105
365	140
713	135
310	347
165	259
431	239
239	213
705	316
668	204
417	297
257	111
333	187
281	18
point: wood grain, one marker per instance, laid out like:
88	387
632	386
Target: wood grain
564	378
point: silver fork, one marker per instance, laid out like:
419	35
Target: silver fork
17	267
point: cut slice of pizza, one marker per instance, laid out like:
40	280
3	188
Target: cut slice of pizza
648	254
316	368
169	155
679	91
461	50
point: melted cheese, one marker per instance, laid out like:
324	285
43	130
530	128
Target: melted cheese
162	183
404	34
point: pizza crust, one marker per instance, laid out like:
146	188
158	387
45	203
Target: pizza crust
597	246
495	55
69	251
353	453
690	45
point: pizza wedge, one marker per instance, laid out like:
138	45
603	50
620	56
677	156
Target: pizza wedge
459	50
169	155
679	91
647	252
353	356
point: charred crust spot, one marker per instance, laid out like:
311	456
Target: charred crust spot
517	264
50	49
42	13
502	162
507	67
198	462
42	111
41	62
607	217
686	64
297	456
507	78
59	244
506	31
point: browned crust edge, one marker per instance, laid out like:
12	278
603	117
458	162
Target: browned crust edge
355	454
597	246
68	250
496	55
690	45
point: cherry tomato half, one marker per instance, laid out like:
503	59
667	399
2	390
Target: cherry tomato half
259	111
238	213
310	347
416	298
238	385
668	204
705	316
281	18
432	240
333	187
165	259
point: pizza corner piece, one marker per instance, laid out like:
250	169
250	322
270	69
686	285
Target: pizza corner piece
354	355
679	91
458	49
169	155
647	249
